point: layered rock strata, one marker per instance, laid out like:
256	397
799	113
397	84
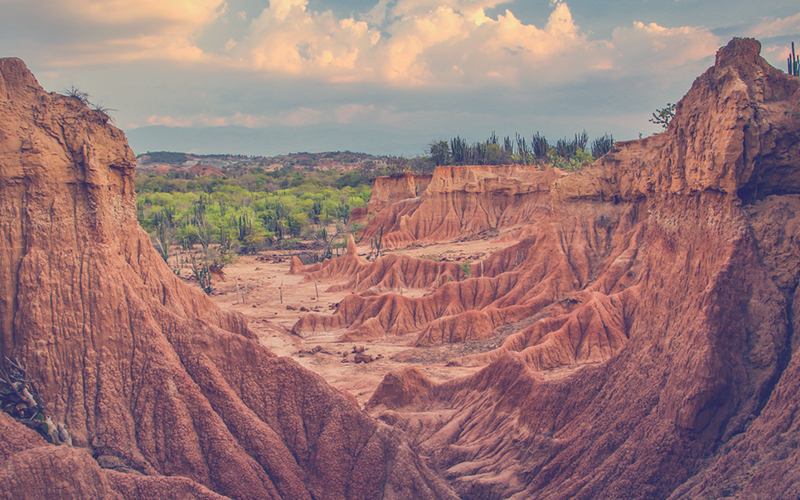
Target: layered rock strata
146	374
458	202
662	362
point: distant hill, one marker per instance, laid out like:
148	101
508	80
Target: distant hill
342	161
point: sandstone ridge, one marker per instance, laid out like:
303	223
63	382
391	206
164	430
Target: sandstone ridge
457	202
163	394
662	285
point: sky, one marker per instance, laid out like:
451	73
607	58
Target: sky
269	77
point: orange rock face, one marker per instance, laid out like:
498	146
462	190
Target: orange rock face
662	284
150	378
458	202
389	190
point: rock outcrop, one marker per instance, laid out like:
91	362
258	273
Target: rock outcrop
663	284
579	267
459	202
164	395
387	191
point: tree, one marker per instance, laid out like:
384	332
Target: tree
440	152
396	164
296	223
664	116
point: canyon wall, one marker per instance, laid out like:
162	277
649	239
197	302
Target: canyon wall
161	393
661	283
458	202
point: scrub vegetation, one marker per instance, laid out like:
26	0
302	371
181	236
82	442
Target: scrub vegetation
212	217
567	153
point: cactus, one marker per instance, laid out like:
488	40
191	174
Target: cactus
793	63
540	146
316	211
377	243
203	275
244	228
343	212
602	145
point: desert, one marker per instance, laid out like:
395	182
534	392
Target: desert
625	330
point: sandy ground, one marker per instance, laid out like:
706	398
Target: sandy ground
273	305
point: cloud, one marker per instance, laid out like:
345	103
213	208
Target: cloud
376	14
654	48
303	116
408	8
286	38
84	32
402	43
775	27
203	120
351	113
420	43
454	42
120	12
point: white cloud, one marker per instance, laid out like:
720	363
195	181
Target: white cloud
469	8
453	42
377	14
286	38
351	113
203	120
303	116
775	27
654	48
280	9
109	31
402	43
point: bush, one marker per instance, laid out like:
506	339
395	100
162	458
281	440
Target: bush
575	162
256	242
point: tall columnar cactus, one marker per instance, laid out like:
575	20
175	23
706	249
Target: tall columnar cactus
540	146
377	243
244	228
794	63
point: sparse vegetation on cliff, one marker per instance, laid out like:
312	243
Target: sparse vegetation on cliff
793	63
566	154
664	115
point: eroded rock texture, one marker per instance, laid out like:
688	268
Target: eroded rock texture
456	202
151	379
663	281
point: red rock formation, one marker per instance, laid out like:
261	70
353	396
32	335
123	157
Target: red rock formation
401	389
663	285
460	202
349	264
148	375
700	402
389	190
357	215
550	273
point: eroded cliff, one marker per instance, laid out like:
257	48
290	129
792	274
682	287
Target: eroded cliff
147	374
662	282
